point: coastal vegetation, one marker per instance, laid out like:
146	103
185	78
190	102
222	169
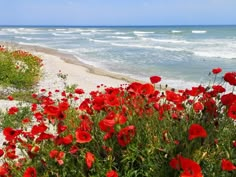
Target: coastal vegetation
134	130
19	72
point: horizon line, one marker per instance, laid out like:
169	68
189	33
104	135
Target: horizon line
115	25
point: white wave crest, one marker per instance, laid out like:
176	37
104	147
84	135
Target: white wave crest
119	33
121	37
59	34
143	33
216	54
176	31
34	44
23	37
96	40
146	46
199	31
60	29
85	33
166	40
21	30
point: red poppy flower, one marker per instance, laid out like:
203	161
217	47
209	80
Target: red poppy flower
218	88
25	120
63	105
120	118
134	87
228	99
82	136
89	159
216	70
79	91
34	107
38	116
73	149
195	91
227	165
11	154
230	77
65	140
232	111
61	128
198	106
10	98
53	153
196	131
1	152
111	173
84	106
98	103
191	168
146	89
125	135
4	169
58	156
107	125
51	110
30	172
13	110
155	79
111	100
86	125
10	133
175	163
44	136
36	129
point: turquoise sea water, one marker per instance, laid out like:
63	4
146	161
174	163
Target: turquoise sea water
182	55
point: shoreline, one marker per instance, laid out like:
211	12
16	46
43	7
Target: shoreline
85	76
71	59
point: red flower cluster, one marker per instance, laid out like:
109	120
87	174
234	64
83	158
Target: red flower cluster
58	156
13	110
189	167
116	121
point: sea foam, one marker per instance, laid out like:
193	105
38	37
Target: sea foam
199	31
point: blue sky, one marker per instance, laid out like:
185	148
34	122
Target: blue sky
117	12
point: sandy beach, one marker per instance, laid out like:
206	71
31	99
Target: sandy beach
83	75
54	62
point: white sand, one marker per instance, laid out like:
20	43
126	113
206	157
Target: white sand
76	74
84	76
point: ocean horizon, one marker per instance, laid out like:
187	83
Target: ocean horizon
182	55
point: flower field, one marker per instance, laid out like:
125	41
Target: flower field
134	130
